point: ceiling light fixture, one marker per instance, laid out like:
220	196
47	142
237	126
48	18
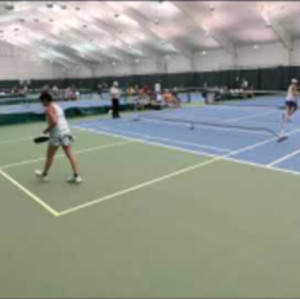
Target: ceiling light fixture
9	6
203	52
255	47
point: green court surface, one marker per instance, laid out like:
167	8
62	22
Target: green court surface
148	221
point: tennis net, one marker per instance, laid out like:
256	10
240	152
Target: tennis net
265	121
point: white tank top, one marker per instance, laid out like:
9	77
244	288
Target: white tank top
290	96
62	126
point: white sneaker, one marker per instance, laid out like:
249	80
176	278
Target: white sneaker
74	180
39	174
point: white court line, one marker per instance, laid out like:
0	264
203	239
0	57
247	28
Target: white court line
87	150
199	145
197	152
286	157
30	194
16	140
164	177
240	107
248	116
137	187
211	127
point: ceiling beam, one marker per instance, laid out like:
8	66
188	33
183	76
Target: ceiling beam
196	19
154	34
283	36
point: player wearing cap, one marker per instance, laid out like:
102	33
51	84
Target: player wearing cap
291	99
291	104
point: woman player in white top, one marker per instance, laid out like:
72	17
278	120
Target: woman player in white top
291	105
291	99
60	135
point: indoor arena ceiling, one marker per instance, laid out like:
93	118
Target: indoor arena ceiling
94	32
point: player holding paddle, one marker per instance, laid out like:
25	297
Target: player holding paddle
291	105
59	135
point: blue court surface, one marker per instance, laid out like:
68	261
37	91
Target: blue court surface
242	134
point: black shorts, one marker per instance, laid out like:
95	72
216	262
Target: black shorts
291	105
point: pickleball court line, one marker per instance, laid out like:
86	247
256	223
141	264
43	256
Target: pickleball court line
82	151
164	177
37	199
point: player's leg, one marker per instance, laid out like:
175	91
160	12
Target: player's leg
292	110
74	164
52	149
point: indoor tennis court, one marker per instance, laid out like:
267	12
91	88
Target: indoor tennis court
155	216
178	136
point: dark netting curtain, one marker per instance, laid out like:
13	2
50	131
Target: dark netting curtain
277	78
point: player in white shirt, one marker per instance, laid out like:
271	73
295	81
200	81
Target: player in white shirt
115	97
158	93
60	135
291	104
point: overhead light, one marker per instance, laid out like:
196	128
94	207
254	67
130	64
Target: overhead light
49	5
203	52
255	47
9	6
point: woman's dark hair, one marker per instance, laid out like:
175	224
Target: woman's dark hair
46	97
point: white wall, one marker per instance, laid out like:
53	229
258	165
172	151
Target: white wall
18	64
272	54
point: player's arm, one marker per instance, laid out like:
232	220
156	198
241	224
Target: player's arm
295	91
52	119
